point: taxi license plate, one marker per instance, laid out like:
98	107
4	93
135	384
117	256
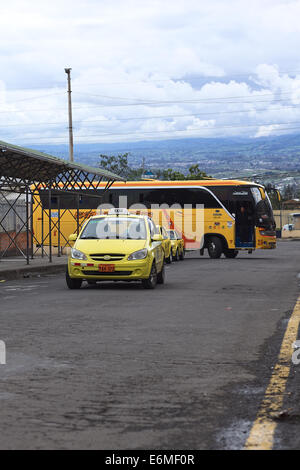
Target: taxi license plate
106	268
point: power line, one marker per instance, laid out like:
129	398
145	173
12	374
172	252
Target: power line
149	80
163	116
190	78
165	103
159	104
147	101
196	129
31	98
60	85
203	152
171	135
183	130
188	101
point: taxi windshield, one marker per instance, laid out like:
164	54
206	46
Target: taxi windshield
124	228
172	235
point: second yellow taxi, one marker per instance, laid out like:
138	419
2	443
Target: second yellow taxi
177	243
166	243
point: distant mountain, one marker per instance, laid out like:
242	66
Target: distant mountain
215	156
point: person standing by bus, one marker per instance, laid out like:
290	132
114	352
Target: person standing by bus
243	224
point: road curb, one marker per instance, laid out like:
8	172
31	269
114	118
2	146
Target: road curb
31	271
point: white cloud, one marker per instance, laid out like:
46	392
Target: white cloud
265	131
135	52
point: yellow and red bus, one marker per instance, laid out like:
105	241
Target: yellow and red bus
233	215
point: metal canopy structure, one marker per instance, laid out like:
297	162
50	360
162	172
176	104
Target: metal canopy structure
24	172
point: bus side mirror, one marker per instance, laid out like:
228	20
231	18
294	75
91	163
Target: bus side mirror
262	193
73	237
278	195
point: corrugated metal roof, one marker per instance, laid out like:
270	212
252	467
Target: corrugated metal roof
32	165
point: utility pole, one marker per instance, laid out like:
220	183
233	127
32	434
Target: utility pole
71	155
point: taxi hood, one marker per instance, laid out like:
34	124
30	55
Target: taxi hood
109	246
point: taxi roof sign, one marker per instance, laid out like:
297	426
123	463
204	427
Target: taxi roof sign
118	211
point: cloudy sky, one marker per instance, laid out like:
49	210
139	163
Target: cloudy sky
148	69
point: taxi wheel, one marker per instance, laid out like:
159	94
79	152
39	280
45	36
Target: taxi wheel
176	256
151	282
168	260
181	256
72	283
161	276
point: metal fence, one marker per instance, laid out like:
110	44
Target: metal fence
13	220
13	216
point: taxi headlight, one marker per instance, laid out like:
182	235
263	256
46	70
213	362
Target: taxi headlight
140	254
76	254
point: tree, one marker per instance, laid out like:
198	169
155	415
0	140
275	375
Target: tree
195	173
116	164
170	174
119	165
289	192
135	174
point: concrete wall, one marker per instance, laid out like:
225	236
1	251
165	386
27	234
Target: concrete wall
290	234
284	217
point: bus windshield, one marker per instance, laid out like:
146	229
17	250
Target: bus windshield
263	209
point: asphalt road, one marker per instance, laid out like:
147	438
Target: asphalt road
118	367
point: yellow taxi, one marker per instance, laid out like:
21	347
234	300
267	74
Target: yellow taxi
177	243
166	243
118	246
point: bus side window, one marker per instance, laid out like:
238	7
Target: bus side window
169	196
207	199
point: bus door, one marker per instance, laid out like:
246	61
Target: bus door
244	224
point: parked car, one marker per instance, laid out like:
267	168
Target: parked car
119	247
166	243
288	227
177	243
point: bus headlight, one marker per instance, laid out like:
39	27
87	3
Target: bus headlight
76	254
267	233
140	254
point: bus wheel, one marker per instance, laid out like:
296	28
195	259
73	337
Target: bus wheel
72	283
176	256
181	256
231	253
151	282
215	247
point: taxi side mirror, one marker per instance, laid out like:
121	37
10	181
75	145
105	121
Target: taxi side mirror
73	237
156	237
